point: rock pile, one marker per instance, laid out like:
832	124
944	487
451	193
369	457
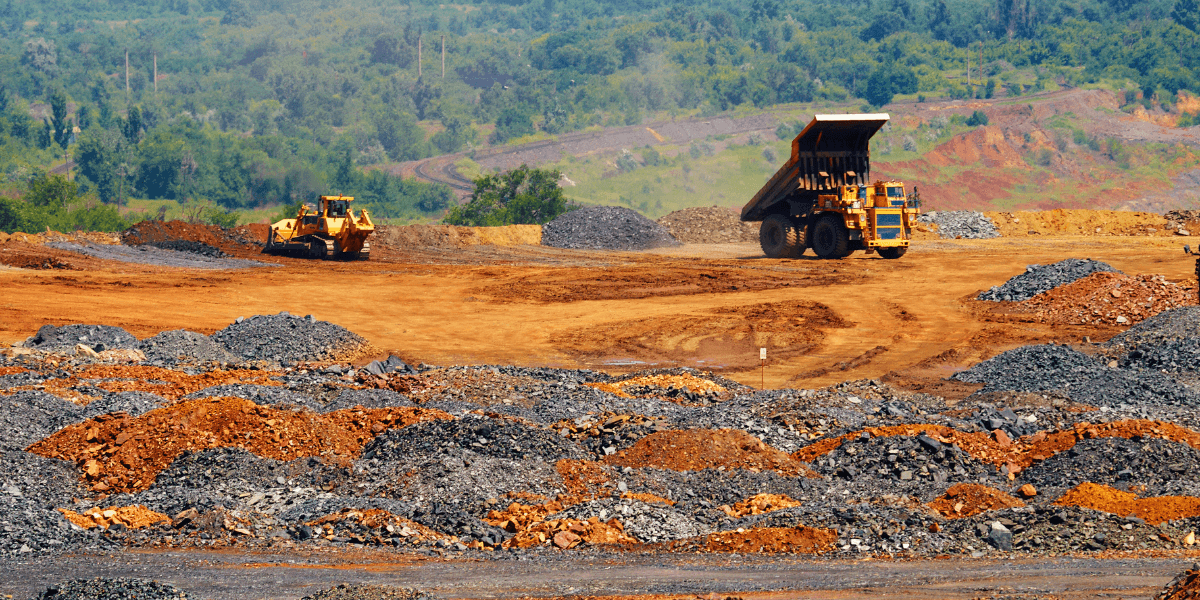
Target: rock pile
67	337
605	228
1042	278
709	225
287	338
1109	298
183	347
112	589
965	224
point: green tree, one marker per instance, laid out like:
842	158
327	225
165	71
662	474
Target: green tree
512	123
51	192
520	196
132	126
97	157
1187	13
12	216
60	127
977	118
880	89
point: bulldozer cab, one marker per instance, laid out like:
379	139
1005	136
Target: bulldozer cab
336	208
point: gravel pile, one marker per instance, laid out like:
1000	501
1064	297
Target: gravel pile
1168	341
189	246
287	338
183	347
482	436
1161	466
646	522
150	255
605	228
709	225
904	464
367	592
130	403
1040	368
29	415
96	337
112	589
965	224
1042	278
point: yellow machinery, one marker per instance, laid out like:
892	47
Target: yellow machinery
330	232
822	197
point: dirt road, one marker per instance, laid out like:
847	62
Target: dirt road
236	576
709	307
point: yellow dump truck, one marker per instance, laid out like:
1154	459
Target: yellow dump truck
329	232
823	198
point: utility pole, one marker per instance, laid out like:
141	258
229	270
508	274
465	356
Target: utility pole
443	57
418	57
127	73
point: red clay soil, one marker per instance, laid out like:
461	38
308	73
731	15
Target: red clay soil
1155	510
999	451
147	232
571	533
129	378
11	370
697	449
584	478
350	521
118	453
759	504
765	540
1102	297
1185	586
970	499
133	517
32	256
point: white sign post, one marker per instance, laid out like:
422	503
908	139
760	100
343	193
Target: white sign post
762	356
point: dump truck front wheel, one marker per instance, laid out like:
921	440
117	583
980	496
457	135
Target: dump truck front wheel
830	238
779	238
892	253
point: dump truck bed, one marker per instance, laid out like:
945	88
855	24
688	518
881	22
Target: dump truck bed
833	150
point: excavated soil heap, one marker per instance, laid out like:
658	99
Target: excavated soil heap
969	499
1107	297
759	504
685	381
123	454
583	477
1079	222
697	449
764	540
167	383
133	517
570	533
1016	455
410	237
1155	511
159	232
709	225
1185	586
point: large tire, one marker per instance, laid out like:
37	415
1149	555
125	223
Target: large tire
892	253
779	238
830	238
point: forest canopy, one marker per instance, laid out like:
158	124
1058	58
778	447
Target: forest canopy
250	105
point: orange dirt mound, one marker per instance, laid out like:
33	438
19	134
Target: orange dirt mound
124	454
697	449
133	517
1103	297
1185	586
647	498
11	370
970	499
1022	453
149	232
766	540
759	504
1079	222
1155	511
520	517
571	533
128	378
583	477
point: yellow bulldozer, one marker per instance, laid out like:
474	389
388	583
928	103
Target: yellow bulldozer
330	232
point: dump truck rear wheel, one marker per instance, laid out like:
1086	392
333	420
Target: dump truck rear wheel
779	238
830	238
892	253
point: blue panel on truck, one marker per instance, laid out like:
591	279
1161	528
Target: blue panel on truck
888	220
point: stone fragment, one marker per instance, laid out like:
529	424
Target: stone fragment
1000	536
1027	490
565	539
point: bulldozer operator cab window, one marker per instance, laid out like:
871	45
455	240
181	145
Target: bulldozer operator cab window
338	208
896	196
